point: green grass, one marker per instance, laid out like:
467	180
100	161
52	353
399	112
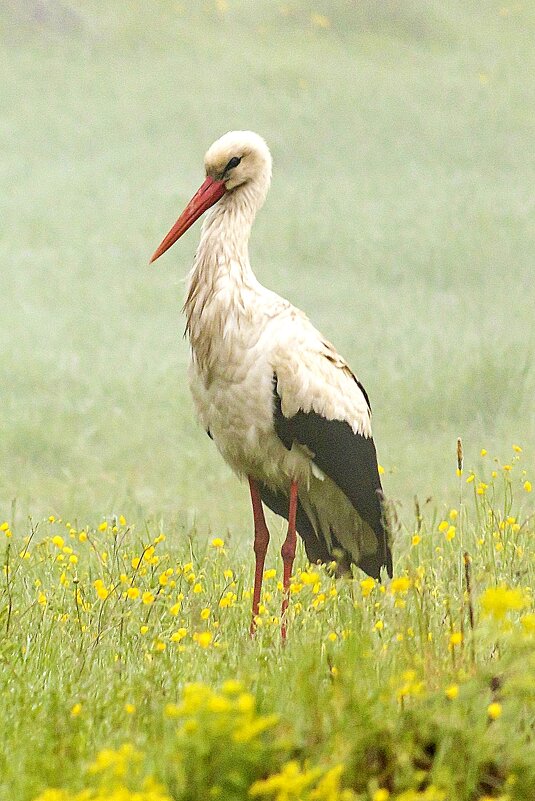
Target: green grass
400	220
123	638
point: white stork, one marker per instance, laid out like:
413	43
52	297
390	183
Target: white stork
281	405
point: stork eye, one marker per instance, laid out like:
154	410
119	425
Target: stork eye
233	163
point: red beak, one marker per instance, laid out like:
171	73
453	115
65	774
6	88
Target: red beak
208	194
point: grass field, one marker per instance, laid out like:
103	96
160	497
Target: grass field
400	220
127	673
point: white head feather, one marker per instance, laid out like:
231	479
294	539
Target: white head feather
254	167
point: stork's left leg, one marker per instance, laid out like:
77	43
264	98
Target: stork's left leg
288	554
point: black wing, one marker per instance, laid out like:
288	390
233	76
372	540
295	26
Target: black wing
350	460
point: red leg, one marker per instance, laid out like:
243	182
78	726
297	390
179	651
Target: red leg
288	554
261	540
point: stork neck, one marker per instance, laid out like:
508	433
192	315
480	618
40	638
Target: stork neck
222	258
227	227
221	284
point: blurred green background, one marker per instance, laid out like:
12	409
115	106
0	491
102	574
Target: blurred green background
400	219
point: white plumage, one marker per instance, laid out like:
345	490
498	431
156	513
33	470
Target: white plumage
283	408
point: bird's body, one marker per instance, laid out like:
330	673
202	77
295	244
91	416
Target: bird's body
283	408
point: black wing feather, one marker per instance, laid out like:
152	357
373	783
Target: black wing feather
350	460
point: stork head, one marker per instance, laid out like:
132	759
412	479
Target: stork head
239	162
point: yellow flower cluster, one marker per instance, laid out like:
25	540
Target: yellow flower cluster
498	601
230	712
295	783
111	777
410	686
400	585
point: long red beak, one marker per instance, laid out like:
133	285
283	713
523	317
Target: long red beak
208	194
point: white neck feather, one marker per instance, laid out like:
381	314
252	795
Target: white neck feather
221	277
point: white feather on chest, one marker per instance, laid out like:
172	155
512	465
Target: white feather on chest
231	379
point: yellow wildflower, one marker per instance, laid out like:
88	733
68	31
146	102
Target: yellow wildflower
382	794
100	589
76	710
497	601
367	585
116	762
527	486
203	638
494	710
147	598
309	578
103	526
133	593
232	687
452	691
456	638
528	622
401	585
171	710
217	542
290	783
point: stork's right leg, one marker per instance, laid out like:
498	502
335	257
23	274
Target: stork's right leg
261	540
288	554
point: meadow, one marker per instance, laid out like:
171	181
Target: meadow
127	671
400	220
